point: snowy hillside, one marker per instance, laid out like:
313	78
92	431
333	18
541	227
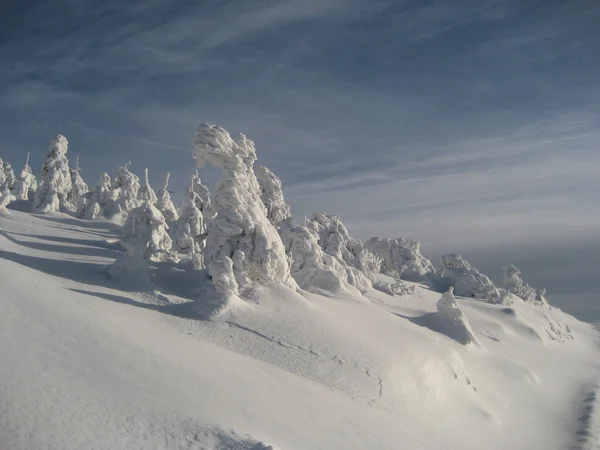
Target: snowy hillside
129	323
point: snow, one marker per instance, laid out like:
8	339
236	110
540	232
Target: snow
466	279
54	184
402	256
164	203
86	362
271	194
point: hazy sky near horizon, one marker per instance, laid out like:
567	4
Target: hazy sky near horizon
470	125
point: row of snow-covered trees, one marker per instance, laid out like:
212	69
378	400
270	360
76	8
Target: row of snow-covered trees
244	234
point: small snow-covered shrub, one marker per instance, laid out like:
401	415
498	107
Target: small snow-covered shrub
400	256
515	285
465	279
55	181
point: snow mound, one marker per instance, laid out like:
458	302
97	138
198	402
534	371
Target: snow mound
402	256
241	241
466	279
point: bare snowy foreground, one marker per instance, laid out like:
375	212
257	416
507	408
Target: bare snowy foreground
128	322
88	363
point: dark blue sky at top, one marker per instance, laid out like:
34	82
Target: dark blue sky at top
471	125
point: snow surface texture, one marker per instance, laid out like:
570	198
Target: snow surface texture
241	241
88	364
402	257
25	183
55	184
466	280
271	194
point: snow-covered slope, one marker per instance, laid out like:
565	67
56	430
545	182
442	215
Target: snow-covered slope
88	362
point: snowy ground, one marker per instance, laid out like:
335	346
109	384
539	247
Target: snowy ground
87	362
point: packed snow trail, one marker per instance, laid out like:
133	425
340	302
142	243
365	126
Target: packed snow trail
89	363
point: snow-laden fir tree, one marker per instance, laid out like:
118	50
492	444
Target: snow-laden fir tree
514	284
146	193
203	201
164	203
125	189
55	181
3	182
278	211
9	174
79	187
99	200
26	183
242	246
466	280
145	238
401	257
189	234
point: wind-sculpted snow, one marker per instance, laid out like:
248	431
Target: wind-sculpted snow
514	284
55	181
278	211
400	256
241	230
465	279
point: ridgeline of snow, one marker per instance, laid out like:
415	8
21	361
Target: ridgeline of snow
54	184
401	257
164	203
242	247
465	279
271	194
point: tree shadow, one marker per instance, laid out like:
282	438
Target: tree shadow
457	330
100	243
72	221
65	249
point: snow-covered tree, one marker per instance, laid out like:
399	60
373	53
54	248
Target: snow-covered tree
5	199
203	201
465	279
146	193
401	257
145	238
125	189
242	246
515	285
3	182
79	187
55	181
99	201
26	183
189	234
278	211
165	204
9	175
451	320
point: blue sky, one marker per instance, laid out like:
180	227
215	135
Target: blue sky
471	125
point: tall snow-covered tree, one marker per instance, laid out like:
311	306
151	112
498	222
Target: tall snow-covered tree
189	234
3	182
271	194
99	200
401	257
165	204
203	201
79	187
242	245
9	174
145	238
146	193
26	183
125	189
55	181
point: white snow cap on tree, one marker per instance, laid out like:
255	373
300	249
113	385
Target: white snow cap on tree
55	181
165	204
146	193
241	231
514	284
465	279
188	236
278	211
9	175
203	201
3	184
400	256
5	199
79	187
98	201
26	183
125	190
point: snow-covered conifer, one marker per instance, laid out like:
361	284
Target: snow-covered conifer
79	187
203	201
125	189
55	181
400	257
465	279
515	285
451	320
165	204
278	211
188	236
9	175
146	193
240	233
26	183
98	201
3	182
5	199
